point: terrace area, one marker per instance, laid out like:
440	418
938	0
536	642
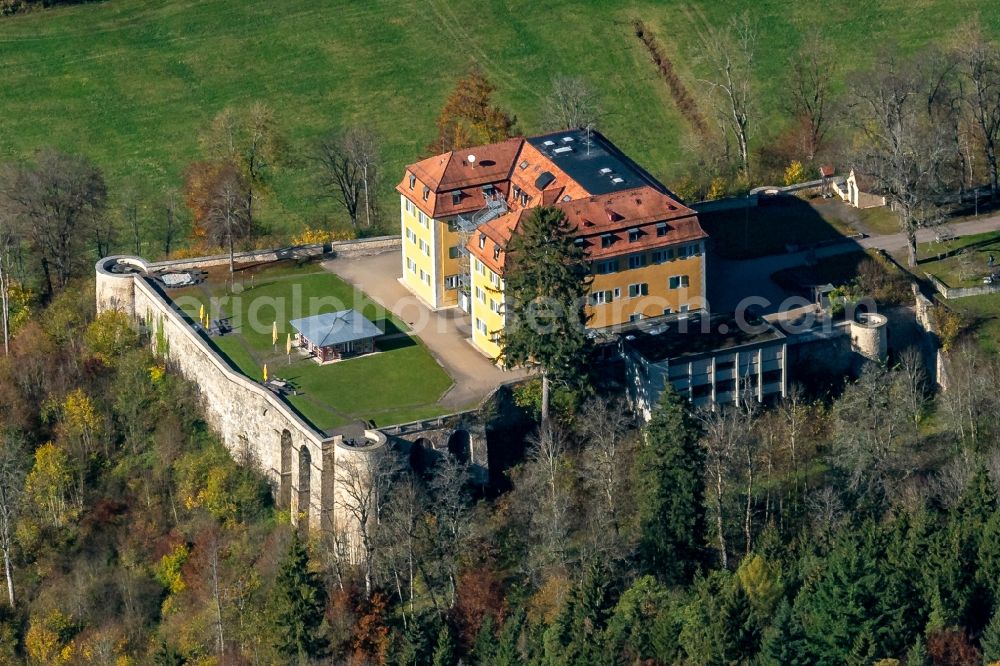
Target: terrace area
249	321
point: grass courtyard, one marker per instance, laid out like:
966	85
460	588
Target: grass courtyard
401	382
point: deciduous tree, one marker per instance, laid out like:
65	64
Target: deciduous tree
902	148
811	71
572	103
470	118
13	469
349	170
249	139
58	202
728	54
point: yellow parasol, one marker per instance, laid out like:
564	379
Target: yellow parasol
265	373
201	313
288	348
274	334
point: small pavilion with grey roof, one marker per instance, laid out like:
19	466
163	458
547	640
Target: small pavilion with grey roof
336	335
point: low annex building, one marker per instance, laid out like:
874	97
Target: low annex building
460	209
708	360
336	335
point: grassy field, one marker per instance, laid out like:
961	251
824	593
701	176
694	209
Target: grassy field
962	262
132	82
402	382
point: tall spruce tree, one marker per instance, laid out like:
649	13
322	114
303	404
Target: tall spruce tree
670	492
299	601
546	282
444	649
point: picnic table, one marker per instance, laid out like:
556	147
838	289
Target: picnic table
220	326
280	386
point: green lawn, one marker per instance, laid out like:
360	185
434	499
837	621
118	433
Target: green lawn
132	82
881	220
962	262
983	315
400	383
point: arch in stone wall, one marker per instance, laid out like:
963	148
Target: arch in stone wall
285	473
460	445
305	472
421	455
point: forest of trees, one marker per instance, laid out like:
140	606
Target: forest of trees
822	530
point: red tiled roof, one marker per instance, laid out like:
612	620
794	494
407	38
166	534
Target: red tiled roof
639	209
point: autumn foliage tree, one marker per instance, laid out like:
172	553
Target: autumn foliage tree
470	118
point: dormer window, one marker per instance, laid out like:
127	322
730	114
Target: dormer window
413	181
496	253
427	192
607	240
662	229
456	198
525	198
482	241
634	235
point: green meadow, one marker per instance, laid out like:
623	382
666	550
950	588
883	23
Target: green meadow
131	83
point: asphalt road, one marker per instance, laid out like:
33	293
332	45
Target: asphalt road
732	281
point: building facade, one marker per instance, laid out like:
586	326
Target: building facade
706	360
459	211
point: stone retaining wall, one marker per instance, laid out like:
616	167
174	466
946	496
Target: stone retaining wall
349	248
251	420
962	292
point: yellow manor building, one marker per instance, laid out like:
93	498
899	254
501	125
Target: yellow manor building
459	210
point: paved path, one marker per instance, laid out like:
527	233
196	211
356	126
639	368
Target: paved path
728	280
897	242
445	332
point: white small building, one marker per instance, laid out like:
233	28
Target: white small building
856	190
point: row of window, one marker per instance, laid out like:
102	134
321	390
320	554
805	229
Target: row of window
480	267
634	235
484	330
640	259
635	290
413	183
424	275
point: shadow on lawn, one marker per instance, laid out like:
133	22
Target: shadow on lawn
954	252
394	342
778	224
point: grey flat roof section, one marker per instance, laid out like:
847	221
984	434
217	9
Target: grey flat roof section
594	162
699	335
336	328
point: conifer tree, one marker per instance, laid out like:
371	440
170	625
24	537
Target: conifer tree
444	650
670	491
917	654
991	640
508	652
546	281
782	640
298	607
